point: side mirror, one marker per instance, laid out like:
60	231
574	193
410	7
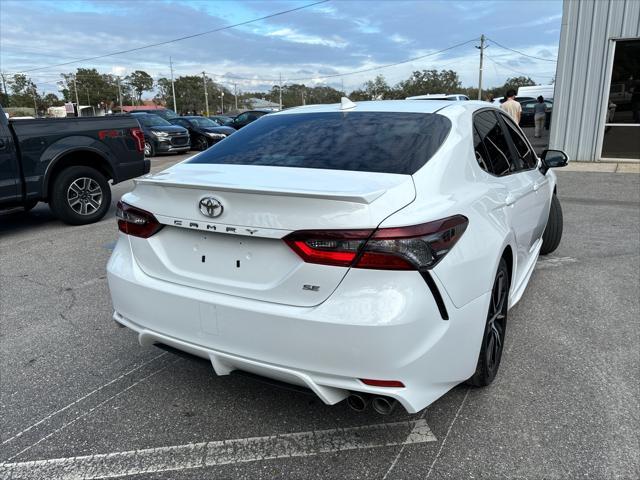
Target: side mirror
553	159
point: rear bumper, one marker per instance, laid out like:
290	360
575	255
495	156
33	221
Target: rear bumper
388	329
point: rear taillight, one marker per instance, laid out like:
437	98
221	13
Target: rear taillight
135	221
138	136
418	247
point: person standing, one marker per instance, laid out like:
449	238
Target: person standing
539	116
512	107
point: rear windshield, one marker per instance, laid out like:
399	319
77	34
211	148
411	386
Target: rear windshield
362	141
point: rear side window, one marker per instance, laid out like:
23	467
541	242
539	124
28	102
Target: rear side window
527	158
385	142
499	155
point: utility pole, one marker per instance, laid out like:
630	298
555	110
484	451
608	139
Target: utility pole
173	88
280	90
481	47
75	87
4	85
222	102
35	105
119	95
235	94
206	94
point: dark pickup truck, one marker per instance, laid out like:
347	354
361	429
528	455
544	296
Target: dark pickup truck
68	162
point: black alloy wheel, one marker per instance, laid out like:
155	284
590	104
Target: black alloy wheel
201	144
494	332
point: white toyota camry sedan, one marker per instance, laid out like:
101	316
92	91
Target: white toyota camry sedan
368	251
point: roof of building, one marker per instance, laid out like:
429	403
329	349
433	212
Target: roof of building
133	108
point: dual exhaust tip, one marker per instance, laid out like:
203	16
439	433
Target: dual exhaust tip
382	405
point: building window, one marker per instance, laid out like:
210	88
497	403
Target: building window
622	126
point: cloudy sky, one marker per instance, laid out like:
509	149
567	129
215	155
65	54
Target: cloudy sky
335	37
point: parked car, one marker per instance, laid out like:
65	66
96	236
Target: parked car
245	118
535	91
526	118
221	120
165	113
369	252
160	136
67	163
456	97
204	132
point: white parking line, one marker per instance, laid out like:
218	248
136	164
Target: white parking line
208	454
550	262
84	397
91	410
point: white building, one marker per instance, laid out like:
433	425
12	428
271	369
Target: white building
596	111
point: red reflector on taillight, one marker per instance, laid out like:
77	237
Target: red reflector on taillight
382	383
136	222
138	136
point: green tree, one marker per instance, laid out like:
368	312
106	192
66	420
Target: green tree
517	82
51	100
422	82
23	91
92	88
190	94
140	81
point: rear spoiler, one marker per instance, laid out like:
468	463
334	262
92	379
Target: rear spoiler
364	198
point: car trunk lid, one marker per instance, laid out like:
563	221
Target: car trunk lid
241	251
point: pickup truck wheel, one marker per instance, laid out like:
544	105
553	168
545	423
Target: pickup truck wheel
149	151
80	195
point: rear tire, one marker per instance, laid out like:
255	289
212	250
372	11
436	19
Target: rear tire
80	195
553	231
494	330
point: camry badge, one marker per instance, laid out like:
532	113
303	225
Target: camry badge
210	207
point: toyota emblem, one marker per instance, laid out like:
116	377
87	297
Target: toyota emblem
210	207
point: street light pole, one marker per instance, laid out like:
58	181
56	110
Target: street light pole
173	88
222	102
280	91
235	94
206	95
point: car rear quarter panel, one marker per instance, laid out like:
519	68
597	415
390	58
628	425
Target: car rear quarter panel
450	184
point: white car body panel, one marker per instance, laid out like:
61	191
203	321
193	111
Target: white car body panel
360	323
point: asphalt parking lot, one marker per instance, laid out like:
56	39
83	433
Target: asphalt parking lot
81	399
